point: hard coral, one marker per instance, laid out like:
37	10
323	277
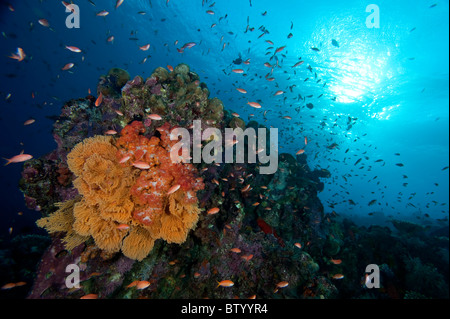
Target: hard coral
114	192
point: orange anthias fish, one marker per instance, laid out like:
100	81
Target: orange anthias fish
103	13
145	47
154	117
28	122
282	284
141	165
73	49
173	189
278	93
213	211
90	296
238	71
336	261
170	68
225	283
300	152
118	3
18	158
44	23
254	104
241	90
99	100
280	49
142	284
67	66
19	55
338	276
124	159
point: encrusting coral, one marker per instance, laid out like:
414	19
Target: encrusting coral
123	207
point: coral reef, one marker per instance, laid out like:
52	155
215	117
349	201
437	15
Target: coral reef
118	195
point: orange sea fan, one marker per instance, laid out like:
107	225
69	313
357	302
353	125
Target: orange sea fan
138	244
62	221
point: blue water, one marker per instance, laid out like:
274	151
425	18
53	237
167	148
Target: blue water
391	81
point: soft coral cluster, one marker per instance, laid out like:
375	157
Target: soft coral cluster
151	187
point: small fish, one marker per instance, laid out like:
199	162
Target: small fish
298	63
373	201
111	132
247	257
338	276
315	49
298	245
235	114
99	100
173	189
19	55
278	93
210	12
110	39
235	250
67	66
287	117
124	159
238	71
300	152
213	211
280	49
225	283
188	45
103	13
30	121
241	91
73	49
118	3
142	284
282	284
18	158
44	23
336	261
400	164
90	296
154	117
170	68
8	285
141	165
335	43
144	47
254	104
123	227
